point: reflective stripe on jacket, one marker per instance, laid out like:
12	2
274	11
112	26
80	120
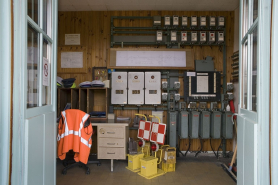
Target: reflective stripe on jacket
73	136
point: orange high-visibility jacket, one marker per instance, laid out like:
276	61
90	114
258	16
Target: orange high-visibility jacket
73	136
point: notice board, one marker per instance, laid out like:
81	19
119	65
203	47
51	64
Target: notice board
145	58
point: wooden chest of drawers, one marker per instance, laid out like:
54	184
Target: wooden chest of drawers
112	139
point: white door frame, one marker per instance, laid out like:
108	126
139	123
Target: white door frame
5	93
274	94
261	143
20	112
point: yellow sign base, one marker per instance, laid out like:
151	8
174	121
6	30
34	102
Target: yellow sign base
159	173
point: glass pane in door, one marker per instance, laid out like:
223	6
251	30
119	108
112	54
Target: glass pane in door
255	9
245	17
47	17
33	63
244	75
33	10
254	70
46	69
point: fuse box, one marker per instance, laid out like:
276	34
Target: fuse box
119	88
152	88
194	120
183	125
215	126
204	130
136	88
227	125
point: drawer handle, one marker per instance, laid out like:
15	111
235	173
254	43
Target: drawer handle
110	132
110	143
110	153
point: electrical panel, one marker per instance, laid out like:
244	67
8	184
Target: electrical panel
193	129
183	36
183	125
204	130
172	136
152	88
157	20
175	20
136	88
203	21
119	88
194	37
203	37
167	20
177	85
215	125
220	36
194	21
211	37
184	20
227	125
159	36
164	85
202	86
212	21
164	96
221	21
177	97
173	36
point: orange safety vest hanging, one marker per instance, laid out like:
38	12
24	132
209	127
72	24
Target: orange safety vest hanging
73	136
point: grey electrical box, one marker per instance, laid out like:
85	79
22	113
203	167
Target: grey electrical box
164	96
212	21
173	36
177	97
184	20
220	37
175	20
152	88
203	36
167	20
194	36
211	37
157	20
203	21
177	85
183	36
215	125
194	21
204	130
164	85
172	136
221	21
136	88
159	36
227	125
193	128
204	65
119	88
183	125
182	106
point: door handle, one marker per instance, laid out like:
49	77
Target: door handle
110	143
110	132
110	153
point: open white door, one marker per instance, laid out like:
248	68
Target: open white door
253	118
34	92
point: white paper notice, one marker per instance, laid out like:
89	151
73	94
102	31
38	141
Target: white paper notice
72	60
151	58
202	84
46	72
72	39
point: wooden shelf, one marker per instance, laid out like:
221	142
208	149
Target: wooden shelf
85	99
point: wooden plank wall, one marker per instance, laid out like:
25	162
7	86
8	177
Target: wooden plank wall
94	29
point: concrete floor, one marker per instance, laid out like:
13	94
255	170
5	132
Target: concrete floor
190	170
